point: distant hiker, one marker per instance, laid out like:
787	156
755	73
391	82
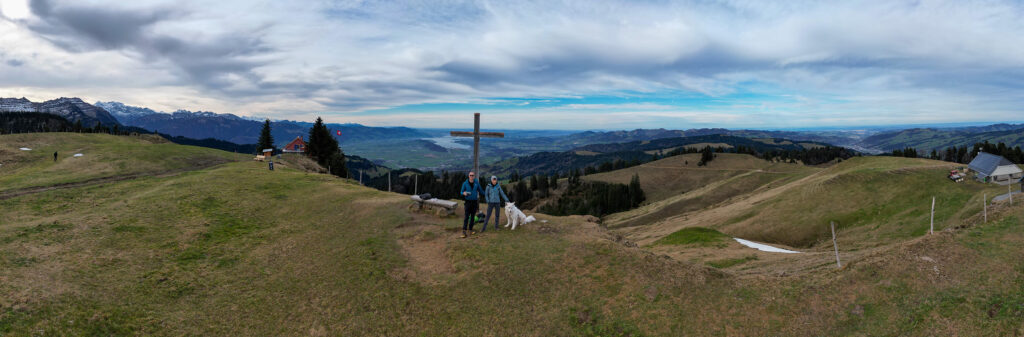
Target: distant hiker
471	191
494	196
271	164
55	156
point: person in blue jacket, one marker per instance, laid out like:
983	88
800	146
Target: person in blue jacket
494	194
471	191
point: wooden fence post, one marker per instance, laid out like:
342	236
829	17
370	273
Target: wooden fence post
984	206
1009	193
416	185
389	181
931	230
834	244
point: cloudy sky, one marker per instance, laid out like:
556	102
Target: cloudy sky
529	64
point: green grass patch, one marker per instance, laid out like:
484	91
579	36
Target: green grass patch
694	235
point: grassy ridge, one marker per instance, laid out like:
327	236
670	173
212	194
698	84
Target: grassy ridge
881	198
103	156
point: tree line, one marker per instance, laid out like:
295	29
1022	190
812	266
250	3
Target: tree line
596	198
963	154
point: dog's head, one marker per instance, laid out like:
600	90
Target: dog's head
509	207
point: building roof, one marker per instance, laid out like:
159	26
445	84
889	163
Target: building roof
297	140
268	150
987	163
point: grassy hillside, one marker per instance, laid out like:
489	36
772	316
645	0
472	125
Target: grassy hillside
876	200
676	185
676	175
883	199
242	251
103	156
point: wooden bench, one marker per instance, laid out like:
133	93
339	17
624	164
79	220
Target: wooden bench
443	207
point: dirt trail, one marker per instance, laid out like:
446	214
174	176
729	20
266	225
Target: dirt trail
713	169
648	234
708	217
616	220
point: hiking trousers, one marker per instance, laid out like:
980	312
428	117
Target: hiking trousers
472	207
496	207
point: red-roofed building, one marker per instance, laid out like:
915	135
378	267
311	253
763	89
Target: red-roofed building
297	145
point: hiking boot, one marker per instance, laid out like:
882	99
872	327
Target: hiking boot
472	233
463	234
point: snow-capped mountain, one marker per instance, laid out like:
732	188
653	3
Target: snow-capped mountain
73	109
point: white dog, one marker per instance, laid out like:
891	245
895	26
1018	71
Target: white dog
516	217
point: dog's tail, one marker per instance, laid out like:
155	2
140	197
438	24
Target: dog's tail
530	219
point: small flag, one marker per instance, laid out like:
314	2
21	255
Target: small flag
339	132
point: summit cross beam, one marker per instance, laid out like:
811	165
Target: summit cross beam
476	134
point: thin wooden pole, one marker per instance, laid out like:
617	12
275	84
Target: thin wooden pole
389	181
931	230
360	177
476	143
1009	192
416	185
834	244
984	206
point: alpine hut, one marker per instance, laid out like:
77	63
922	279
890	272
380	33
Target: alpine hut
993	168
297	145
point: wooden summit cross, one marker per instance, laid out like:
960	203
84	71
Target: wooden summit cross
476	134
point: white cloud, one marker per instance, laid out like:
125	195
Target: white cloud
854	61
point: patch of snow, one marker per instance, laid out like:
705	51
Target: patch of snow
763	247
77	155
25	149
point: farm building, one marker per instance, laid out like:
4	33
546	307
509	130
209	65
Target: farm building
297	145
993	168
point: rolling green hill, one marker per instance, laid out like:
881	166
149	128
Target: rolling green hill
876	200
103	157
235	249
596	154
677	185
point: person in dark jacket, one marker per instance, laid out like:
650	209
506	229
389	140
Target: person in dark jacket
54	156
471	191
495	194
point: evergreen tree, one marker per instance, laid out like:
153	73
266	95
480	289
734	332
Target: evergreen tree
553	182
521	193
266	140
533	182
636	194
323	148
706	156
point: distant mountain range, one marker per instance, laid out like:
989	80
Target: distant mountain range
841	138
73	109
642	150
235	129
927	139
